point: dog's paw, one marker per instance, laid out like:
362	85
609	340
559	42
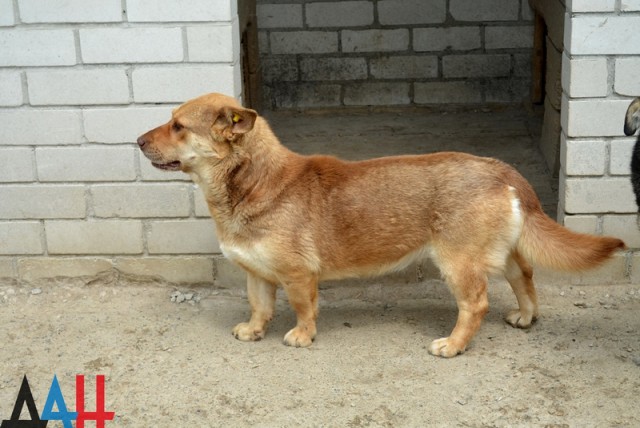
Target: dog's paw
519	320
445	348
298	338
246	333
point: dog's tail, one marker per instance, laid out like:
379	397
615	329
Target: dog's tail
632	118
546	243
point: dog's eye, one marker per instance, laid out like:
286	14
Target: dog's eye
176	126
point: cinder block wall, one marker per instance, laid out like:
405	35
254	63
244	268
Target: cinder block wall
600	76
394	52
79	81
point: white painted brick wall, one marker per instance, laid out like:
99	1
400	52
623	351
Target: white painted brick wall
80	11
10	89
78	87
181	11
439	39
599	195
122	125
20	237
621	151
69	164
584	157
627	80
126	45
36	47
141	200
7	17
79	237
593	117
182	237
31	127
585	77
17	164
592	5
35	201
605	34
211	43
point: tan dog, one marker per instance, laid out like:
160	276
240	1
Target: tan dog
294	220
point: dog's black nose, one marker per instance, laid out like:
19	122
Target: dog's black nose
142	142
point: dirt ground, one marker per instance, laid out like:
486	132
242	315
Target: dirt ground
170	364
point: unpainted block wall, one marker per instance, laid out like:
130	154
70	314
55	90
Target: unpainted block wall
79	82
394	52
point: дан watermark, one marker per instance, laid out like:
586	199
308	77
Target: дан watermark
55	398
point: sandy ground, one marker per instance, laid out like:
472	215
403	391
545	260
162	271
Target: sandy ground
170	364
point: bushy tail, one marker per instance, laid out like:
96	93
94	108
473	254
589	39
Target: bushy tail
547	244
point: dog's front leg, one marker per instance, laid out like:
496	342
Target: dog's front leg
262	298
302	293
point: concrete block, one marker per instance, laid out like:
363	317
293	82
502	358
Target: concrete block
36	268
36	201
126	45
10	88
201	207
20	237
78	87
229	275
507	90
512	37
626	81
279	15
182	237
522	65
527	11
80	11
27	47
122	125
484	10
455	92
620	156
7	17
612	272
187	81
85	163
630	5
582	223
411	12
602	35
593	117
580	157
374	93
592	6
41	127
180	11
553	76
141	200
404	67
16	164
624	227
446	38
303	42
476	65
375	40
94	237
598	195
585	77
213	43
279	69
333	69
291	95
7	269
177	269
339	14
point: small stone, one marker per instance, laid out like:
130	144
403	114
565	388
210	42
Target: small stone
582	293
36	291
636	360
188	296
180	298
462	402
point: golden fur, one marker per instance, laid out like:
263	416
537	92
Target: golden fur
292	220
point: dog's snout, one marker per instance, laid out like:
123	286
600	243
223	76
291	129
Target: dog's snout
142	142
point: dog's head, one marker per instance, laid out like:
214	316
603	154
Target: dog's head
200	130
632	118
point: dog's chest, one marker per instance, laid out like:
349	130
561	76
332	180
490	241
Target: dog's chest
255	257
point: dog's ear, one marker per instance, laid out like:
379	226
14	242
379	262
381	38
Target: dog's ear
632	119
236	120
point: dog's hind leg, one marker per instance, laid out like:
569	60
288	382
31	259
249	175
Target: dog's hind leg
262	298
468	282
519	274
303	297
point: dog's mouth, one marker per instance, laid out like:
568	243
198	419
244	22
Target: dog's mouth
170	166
